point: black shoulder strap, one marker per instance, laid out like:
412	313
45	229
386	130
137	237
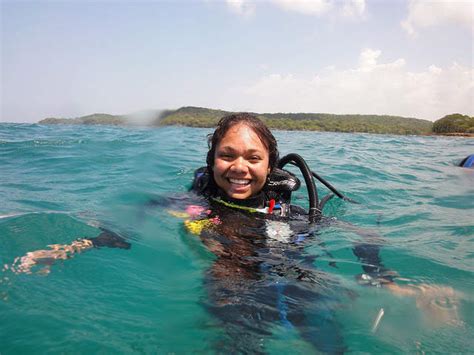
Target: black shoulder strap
201	180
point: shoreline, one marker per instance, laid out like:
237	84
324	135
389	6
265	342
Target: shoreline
454	134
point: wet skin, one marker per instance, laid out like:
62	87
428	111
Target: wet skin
241	163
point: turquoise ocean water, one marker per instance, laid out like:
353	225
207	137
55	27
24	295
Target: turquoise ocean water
59	183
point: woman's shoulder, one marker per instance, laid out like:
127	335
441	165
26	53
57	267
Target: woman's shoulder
202	182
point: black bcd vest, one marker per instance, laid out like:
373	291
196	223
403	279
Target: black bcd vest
279	186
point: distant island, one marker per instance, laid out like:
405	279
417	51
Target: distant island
454	124
95	119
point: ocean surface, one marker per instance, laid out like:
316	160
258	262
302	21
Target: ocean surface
60	183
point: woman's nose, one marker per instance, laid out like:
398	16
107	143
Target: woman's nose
239	165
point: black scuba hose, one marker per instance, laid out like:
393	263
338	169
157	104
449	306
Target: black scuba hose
296	159
330	187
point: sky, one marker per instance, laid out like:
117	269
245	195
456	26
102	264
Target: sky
72	58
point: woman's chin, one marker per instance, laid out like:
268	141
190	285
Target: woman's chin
238	195
239	192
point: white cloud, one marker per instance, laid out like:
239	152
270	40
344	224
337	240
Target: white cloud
435	70
370	88
368	58
245	8
422	14
353	8
307	7
346	8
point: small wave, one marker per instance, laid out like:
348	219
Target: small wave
8	215
20	214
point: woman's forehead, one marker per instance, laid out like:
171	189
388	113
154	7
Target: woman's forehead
242	135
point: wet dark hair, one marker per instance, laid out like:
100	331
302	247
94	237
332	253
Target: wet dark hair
251	121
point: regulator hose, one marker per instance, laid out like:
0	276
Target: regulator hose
296	159
332	188
315	206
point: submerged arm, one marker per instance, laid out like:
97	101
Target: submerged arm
439	303
367	252
375	273
43	259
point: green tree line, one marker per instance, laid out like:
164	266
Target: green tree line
94	119
454	123
381	124
203	117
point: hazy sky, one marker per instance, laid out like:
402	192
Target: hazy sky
71	58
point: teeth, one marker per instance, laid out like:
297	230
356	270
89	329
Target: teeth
239	181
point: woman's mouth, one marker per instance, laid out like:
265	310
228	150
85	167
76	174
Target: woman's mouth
240	182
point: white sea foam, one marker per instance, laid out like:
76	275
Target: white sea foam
8	215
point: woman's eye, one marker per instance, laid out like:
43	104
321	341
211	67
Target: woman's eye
255	158
225	156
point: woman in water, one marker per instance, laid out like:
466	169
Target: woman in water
262	275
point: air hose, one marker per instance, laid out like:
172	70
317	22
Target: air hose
315	207
296	159
332	188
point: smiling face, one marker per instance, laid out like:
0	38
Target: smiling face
241	162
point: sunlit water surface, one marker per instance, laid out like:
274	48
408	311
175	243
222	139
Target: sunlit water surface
59	183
